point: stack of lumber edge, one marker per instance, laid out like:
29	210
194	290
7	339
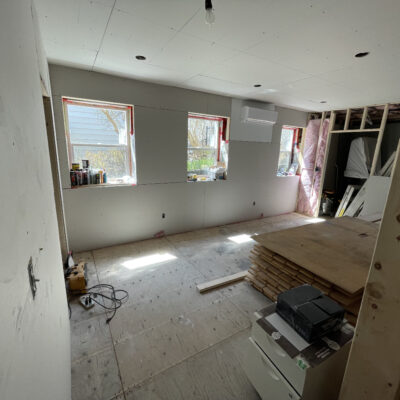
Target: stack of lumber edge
272	272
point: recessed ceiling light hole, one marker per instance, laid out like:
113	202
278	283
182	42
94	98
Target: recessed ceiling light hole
362	54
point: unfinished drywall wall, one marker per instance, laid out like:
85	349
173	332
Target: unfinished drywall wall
34	333
102	216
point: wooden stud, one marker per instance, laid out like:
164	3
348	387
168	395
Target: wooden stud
203	287
364	118
321	128
356	130
347	120
372	370
379	142
332	121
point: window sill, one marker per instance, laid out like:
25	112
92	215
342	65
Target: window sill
100	185
209	181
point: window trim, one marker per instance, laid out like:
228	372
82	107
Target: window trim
99	104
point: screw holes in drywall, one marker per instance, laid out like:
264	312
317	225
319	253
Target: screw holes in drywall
254	203
163	215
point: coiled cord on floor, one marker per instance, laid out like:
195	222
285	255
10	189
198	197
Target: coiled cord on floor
112	298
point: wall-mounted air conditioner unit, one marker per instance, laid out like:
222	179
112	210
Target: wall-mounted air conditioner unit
258	116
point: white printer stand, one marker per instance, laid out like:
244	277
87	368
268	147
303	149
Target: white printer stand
281	365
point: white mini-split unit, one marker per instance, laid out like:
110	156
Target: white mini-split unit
258	116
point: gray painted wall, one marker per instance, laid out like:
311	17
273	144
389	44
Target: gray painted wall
103	216
34	334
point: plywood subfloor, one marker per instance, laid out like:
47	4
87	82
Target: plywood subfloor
338	250
169	341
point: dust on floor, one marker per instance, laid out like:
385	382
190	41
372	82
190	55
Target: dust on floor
168	342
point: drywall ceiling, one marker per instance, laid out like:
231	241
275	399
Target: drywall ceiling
301	52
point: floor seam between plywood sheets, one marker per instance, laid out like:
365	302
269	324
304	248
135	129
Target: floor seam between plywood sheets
144	381
112	340
91	354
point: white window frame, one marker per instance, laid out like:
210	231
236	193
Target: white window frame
94	103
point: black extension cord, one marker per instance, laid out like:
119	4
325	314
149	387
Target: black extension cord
112	302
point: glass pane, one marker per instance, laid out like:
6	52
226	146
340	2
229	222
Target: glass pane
201	160
284	161
96	125
203	133
113	160
286	139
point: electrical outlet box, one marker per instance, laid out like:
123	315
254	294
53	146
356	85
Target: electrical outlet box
86	301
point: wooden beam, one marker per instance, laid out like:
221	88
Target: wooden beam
332	121
372	370
379	142
364	118
356	130
204	287
347	120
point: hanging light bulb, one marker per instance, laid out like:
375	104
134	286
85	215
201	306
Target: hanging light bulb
210	16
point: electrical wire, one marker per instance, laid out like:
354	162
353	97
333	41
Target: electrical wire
112	301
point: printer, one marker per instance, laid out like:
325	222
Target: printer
282	365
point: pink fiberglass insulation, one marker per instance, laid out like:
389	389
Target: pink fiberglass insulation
313	159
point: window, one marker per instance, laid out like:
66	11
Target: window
208	141
101	133
288	154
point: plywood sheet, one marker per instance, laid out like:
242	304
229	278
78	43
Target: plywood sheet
338	250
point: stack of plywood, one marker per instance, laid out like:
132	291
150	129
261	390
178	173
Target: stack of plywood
333	256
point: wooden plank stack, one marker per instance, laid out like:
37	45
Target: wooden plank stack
272	272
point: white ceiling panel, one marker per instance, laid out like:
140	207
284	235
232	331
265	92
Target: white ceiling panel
70	55
379	63
239	24
77	23
216	86
129	35
249	70
167	13
124	66
300	51
186	53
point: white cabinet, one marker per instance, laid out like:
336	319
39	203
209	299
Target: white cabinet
281	365
265	377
